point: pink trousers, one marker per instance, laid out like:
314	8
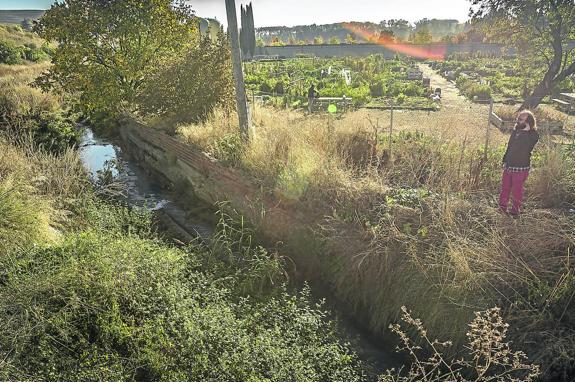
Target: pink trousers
512	185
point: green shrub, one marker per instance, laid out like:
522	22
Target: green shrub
53	132
100	307
189	89
480	92
23	219
35	54
9	53
28	112
229	149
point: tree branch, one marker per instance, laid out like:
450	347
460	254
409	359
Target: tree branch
565	73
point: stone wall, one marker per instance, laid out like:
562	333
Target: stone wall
359	50
204	178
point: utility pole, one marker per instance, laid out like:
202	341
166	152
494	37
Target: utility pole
237	66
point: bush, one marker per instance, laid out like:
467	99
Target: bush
9	54
28	112
23	218
35	54
124	308
53	132
473	90
479	92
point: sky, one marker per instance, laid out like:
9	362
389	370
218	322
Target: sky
301	12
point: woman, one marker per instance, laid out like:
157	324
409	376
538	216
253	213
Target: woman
517	162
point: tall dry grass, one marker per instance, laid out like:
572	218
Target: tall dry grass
18	36
319	158
288	152
449	258
425	205
39	191
18	98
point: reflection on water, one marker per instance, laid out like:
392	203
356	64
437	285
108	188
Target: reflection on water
95	153
139	188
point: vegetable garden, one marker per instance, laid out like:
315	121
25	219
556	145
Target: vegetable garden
505	79
370	81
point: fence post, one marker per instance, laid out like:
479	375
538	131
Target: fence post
391	133
488	131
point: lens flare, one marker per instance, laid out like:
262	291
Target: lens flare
431	51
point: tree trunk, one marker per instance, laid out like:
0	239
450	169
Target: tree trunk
551	78
541	90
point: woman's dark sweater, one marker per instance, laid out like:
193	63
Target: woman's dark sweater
519	148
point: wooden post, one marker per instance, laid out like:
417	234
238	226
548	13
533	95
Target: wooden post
488	131
391	134
238	72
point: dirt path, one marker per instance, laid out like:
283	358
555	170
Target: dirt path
450	96
453	102
458	119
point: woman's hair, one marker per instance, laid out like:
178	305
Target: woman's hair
530	118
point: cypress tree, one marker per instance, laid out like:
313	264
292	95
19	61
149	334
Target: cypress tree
251	31
243	32
247	32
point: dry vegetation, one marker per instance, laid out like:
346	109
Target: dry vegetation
36	191
19	36
18	97
432	237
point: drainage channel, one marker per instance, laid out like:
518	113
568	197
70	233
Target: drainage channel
141	189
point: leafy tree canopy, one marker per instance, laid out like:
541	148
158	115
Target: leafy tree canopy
108	49
540	30
421	36
191	87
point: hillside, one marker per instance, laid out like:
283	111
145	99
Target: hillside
17	36
17	16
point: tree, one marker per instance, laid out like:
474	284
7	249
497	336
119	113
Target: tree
334	41
318	40
386	37
350	38
190	88
247	31
107	50
401	28
422	36
538	29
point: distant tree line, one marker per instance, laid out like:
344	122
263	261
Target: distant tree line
389	31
